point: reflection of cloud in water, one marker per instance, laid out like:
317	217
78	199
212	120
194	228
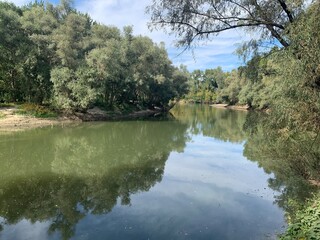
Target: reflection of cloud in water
215	163
27	231
207	192
178	210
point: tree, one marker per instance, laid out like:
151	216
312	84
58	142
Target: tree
109	63
73	90
72	39
38	24
194	20
14	47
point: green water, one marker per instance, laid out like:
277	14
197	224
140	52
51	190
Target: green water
183	177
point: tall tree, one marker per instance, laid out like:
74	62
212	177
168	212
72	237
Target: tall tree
194	20
14	47
38	24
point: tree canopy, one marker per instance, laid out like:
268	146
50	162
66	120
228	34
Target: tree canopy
58	56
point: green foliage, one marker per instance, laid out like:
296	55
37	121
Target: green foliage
4	105
297	99
36	110
56	55
203	85
73	90
306	224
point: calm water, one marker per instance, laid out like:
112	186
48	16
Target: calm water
181	178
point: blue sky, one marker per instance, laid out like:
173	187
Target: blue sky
217	52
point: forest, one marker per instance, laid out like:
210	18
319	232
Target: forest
57	56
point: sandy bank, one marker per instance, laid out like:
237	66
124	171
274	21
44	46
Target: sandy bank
234	107
10	121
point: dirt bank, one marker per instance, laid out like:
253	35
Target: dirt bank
234	107
11	121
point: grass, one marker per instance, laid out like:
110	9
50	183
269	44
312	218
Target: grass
4	105
36	110
1	115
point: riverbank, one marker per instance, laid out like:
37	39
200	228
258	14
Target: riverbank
234	107
218	105
11	120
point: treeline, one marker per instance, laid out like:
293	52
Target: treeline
285	80
58	56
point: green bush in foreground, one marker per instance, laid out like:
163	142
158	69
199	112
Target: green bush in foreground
36	110
306	225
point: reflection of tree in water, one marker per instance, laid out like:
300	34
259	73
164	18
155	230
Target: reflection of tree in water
223	124
292	157
88	169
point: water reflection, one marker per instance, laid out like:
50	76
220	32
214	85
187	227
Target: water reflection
292	157
61	175
223	124
175	179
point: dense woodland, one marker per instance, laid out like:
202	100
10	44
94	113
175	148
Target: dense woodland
57	56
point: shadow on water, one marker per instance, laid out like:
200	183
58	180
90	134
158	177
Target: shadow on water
63	174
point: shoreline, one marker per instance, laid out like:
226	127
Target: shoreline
10	121
227	106
218	105
233	107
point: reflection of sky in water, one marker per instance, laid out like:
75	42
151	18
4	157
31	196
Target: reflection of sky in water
27	231
210	191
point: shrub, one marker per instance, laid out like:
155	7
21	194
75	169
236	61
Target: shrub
306	224
36	110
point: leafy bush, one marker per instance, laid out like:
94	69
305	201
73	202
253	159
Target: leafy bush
306	225
36	110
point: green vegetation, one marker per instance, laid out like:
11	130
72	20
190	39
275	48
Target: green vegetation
56	56
36	110
1	115
306	224
286	80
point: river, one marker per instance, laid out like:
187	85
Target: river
187	176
